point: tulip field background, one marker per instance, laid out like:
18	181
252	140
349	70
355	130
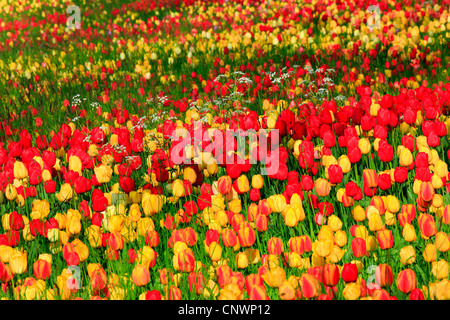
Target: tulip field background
97	204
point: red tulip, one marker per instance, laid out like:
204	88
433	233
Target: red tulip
358	247
406	280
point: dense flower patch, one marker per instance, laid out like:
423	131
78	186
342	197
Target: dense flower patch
225	150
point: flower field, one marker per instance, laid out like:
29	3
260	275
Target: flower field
224	150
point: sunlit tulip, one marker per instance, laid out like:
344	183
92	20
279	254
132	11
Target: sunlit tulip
42	269
18	262
140	275
385	239
409	233
407	255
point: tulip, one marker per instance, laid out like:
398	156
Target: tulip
370	178
20	170
309	285
18	262
274	277
224	185
442	242
430	252
322	187
246	235
257	181
242	260
409	233
405	157
286	291
215	251
440	269
275	246
358	247
427	225
42	269
385	239
65	193
330	275
406	280
407	255
335	174
115	241
349	272
140	275
352	291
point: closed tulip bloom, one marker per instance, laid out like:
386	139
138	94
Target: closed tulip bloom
115	241
384	276
330	275
358	213
42	269
440	269
364	145
370	178
322	187
375	222
406	280
286	291
215	251
20	170
309	286
140	275
340	238
344	163
275	246
257	181
430	253
242	260
352	291
323	248
349	272
358	247
18	262
274	277
229	238
241	184
224	184
407	255
178	188
427	225
409	233
335	174
405	157
426	191
385	239
246	235
442	241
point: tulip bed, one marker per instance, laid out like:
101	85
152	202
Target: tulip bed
103	196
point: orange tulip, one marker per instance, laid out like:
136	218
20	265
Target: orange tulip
224	184
42	269
322	187
426	191
427	225
115	241
330	275
275	246
246	234
140	275
300	244
383	275
385	239
370	178
309	285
